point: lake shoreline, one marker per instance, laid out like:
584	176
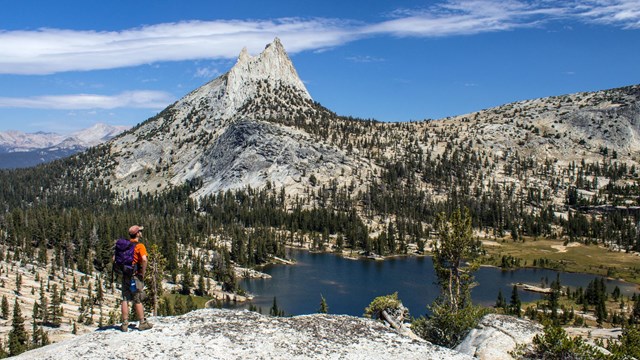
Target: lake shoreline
359	256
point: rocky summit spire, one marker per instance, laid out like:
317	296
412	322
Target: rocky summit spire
272	65
244	55
247	81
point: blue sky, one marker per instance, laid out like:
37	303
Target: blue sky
65	65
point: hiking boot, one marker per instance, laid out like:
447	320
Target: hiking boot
144	325
124	327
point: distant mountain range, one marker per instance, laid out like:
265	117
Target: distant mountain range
20	150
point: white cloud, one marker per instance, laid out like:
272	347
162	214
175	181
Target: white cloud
46	51
128	99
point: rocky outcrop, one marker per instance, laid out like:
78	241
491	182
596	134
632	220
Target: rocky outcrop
230	334
498	335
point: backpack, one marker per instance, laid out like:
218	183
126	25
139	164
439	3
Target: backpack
124	250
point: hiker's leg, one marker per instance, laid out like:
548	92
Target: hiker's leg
139	308
138	298
124	306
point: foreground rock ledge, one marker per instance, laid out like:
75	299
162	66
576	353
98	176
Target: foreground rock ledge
496	336
232	334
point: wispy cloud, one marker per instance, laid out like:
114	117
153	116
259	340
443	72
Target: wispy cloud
465	18
365	59
128	99
623	13
206	72
46	51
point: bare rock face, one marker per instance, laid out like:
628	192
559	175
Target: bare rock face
230	334
251	153
498	335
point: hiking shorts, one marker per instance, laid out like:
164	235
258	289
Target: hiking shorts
136	297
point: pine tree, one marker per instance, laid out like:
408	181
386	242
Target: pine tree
201	286
18	337
38	336
190	304
36	311
452	313
89	291
55	308
501	303
101	318
18	283
99	291
616	293
154	275
165	307
179	306
3	352
187	280
601	311
44	305
635	314
554	299
324	308
274	310
455	247
35	334
44	338
515	304
5	307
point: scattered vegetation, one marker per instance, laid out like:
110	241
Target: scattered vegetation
64	216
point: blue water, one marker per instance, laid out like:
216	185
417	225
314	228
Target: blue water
349	285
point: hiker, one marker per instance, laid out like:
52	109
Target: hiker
131	260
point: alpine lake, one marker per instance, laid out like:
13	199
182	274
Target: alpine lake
348	285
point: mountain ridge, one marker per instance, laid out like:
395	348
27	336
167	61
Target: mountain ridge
19	149
256	126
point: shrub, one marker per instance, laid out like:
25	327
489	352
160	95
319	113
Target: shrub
554	344
447	328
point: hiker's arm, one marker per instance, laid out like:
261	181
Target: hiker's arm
143	265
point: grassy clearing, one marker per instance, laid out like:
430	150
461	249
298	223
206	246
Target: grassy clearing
199	301
575	257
